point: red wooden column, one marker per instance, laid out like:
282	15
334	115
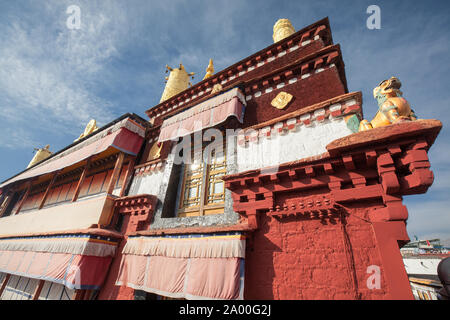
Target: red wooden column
38	290
5	281
116	172
44	198
80	182
130	169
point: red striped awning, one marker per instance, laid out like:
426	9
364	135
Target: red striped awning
76	260
75	271
200	266
204	115
121	139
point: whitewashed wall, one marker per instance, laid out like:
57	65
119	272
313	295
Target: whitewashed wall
147	184
305	141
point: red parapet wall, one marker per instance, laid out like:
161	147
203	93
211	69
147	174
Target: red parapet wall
137	214
330	227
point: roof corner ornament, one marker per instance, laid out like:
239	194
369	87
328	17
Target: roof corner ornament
90	128
177	81
209	69
282	29
40	155
392	107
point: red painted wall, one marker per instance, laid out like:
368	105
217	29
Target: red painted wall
137	215
317	88
109	290
298	258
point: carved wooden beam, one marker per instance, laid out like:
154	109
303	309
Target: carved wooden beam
44	198
80	182
116	172
25	196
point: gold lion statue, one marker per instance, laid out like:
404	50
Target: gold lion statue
392	107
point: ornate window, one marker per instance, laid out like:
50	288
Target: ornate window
203	190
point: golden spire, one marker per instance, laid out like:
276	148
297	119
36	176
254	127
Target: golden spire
209	70
90	127
282	29
40	155
177	81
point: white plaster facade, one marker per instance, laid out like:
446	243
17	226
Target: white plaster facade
147	184
303	142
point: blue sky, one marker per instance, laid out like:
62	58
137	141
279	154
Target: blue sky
54	80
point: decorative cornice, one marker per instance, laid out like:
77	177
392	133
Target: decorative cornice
140	208
362	167
150	167
315	32
300	69
332	109
135	204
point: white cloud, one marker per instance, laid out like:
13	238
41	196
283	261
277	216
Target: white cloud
47	72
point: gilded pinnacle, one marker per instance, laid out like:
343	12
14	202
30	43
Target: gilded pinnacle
209	69
177	81
282	29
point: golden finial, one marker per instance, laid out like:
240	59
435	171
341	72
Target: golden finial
90	127
177	81
40	155
209	70
282	29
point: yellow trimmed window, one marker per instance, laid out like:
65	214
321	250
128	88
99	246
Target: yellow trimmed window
203	190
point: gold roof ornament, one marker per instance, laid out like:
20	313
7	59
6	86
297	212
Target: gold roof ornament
281	100
40	155
209	69
216	88
90	127
282	29
177	81
155	151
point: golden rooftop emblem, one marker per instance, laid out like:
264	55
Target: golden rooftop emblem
282	29
177	81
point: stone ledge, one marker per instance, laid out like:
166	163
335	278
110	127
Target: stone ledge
187	230
426	128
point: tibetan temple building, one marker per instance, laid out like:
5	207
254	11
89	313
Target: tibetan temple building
262	181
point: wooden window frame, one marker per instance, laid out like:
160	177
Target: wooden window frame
203	207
